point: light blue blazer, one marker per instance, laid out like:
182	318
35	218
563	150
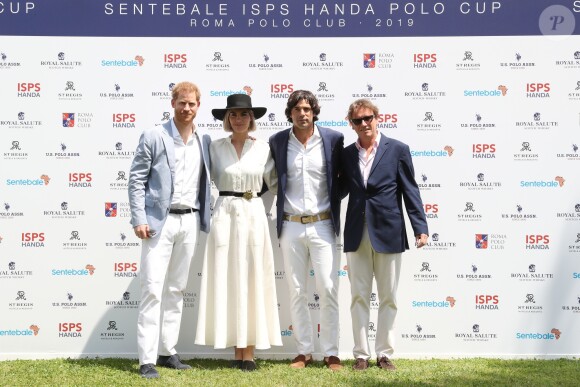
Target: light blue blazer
151	180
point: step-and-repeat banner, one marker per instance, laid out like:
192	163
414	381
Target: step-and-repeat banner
486	93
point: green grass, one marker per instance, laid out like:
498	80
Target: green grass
435	372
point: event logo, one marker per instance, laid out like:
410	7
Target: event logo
369	92
62	153
574	94
557	182
500	91
491	241
425	184
438	243
280	275
481	241
281	90
69	303
425	60
69	92
537	123
481	183
12	271
447	151
265	64
483	151
431	210
32	239
425	93
526	153
117	93
573	306
125	269
554	334
532	274
189	299
369	61
478	123
474	275
136	61
31	331
487	302
120	181
322	63
42	180
20	301
374	302
428	123
225	93
64	212
68	120
574	244
425	273
468	62
6	63
15	151
117	209
111	332
571	62
116	153
517	63
124	120
469	213
529	304
323	92
61	63
538	90
74	242
80	179
476	334
175	61
163	95
28	90
448	302
519	215
70	329
87	270
571	215
121	243
125	302
110	210
314	304
21	122
571	154
418	334
217	63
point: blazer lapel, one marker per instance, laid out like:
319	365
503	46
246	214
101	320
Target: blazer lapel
167	139
381	150
283	156
327	146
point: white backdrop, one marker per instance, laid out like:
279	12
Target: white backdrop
498	173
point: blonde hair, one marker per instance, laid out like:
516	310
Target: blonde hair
362	103
228	126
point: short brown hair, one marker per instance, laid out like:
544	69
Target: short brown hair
362	103
185	87
228	126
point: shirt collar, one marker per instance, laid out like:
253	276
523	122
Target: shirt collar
375	144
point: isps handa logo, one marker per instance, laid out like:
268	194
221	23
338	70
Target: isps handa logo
70	329
125	269
32	239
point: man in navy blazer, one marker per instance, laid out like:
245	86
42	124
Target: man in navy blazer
169	195
307	159
378	175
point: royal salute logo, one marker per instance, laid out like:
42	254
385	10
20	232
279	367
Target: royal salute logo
571	61
6	63
61	61
426	183
553	334
418	334
28	90
468	62
217	62
478	123
480	183
62	153
570	152
517	62
572	214
439	243
369	92
70	92
475	274
425	273
519	214
428	123
529	303
275	122
14	271
323	63
425	60
111	331
74	242
116	151
69	302
572	306
425	92
469	213
532	274
163	94
175	60
526	152
116	92
134	62
374	303
126	301
475	334
66	211
20	301
265	64
537	122
15	151
22	121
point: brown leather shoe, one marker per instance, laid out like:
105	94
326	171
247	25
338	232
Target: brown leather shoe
386	364
301	361
333	363
360	365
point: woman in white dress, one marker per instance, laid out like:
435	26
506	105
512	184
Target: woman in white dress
238	305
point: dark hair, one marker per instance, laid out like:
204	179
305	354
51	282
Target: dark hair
299	95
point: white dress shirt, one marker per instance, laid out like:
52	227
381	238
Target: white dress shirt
365	162
187	171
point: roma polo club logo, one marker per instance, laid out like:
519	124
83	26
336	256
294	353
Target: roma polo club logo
369	61
68	120
481	241
110	210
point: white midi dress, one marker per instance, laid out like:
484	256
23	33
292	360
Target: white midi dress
238	304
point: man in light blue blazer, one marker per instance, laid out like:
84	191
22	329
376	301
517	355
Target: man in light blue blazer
169	195
378	175
307	160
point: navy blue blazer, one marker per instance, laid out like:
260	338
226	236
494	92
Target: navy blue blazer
391	179
333	144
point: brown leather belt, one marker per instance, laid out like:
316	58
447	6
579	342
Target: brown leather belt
304	219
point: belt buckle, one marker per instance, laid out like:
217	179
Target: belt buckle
304	219
248	195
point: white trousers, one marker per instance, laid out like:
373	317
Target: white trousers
304	245
362	264
165	264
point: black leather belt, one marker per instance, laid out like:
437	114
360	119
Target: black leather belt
248	195
182	211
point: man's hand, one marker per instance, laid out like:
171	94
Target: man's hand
421	240
142	231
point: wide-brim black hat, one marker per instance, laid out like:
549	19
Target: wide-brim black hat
238	101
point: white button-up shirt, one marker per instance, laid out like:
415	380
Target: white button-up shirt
187	170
